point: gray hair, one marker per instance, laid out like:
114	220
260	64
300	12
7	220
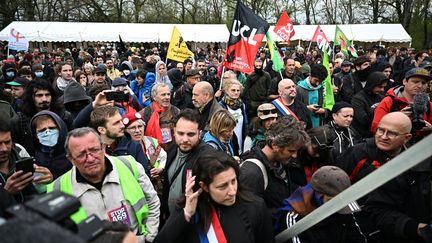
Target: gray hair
80	132
156	86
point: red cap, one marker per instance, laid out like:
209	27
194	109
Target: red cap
130	117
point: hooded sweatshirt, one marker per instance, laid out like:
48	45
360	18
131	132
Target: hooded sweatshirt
53	158
365	102
74	92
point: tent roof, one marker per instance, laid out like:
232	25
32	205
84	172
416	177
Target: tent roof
356	32
109	32
131	32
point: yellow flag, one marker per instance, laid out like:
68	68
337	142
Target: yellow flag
178	50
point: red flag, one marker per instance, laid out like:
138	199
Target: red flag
321	39
248	30
284	27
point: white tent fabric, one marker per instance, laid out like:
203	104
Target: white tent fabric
130	32
356	32
109	32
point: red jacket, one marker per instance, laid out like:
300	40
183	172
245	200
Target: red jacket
385	106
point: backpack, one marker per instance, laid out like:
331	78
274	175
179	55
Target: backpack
261	167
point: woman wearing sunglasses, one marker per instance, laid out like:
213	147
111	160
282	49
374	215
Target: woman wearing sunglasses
215	208
267	115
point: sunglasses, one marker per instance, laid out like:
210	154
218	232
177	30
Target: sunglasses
266	112
323	147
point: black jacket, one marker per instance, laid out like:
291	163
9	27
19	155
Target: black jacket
342	137
52	158
366	151
401	204
246	222
351	85
252	177
364	104
189	162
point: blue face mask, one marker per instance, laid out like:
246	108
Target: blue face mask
49	137
39	74
10	74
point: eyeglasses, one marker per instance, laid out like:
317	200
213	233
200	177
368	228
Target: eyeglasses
266	112
91	151
390	134
134	128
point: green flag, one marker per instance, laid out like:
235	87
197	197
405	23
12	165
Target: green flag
345	44
328	86
274	54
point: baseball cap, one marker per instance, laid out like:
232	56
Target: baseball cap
419	72
99	70
426	65
266	110
192	72
119	82
20	81
332	180
346	63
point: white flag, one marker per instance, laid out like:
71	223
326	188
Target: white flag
17	41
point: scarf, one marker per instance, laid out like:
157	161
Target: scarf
303	201
233	104
61	83
153	128
215	233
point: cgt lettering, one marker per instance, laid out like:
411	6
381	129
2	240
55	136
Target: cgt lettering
243	31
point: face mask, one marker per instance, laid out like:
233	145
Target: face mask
10	74
39	74
258	70
126	72
48	137
363	74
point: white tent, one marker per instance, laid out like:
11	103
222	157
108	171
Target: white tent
356	32
109	32
130	32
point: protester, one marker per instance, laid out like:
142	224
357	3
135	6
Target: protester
118	200
341	131
289	105
356	81
215	207
220	133
365	102
264	170
182	97
156	155
326	183
232	102
267	115
204	101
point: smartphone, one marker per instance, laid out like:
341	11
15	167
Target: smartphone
26	165
318	106
118	96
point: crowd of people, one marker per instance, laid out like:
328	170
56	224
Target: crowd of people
192	152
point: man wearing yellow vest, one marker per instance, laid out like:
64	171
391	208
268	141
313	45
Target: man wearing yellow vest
113	188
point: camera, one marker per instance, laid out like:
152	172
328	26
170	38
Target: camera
57	207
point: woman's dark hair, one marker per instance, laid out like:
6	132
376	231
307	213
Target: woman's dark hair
141	73
206	167
322	142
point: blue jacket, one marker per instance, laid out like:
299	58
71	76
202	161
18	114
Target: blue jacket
145	89
216	144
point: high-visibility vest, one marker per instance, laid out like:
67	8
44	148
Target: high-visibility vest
128	175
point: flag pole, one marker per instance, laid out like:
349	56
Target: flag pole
310	44
280	72
221	81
